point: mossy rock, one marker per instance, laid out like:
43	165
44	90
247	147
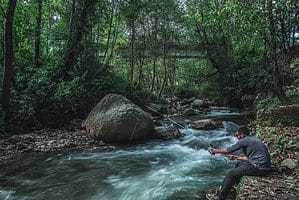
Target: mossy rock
284	115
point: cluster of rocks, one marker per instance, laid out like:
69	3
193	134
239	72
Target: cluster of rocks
114	119
47	141
184	107
191	106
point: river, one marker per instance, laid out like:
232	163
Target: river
153	170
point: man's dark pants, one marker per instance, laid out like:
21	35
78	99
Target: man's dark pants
233	176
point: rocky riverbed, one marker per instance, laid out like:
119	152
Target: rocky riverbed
47	140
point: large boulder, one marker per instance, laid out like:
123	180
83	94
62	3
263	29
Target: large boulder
117	119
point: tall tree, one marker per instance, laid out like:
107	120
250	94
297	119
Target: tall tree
273	49
8	55
37	48
81	17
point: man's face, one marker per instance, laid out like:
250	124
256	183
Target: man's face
239	135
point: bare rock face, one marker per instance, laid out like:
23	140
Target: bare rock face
117	119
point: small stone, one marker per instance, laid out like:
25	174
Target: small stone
288	163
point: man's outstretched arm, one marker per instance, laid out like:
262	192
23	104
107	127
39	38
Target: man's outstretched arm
223	151
235	157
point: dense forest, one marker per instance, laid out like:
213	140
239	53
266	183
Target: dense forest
59	58
133	99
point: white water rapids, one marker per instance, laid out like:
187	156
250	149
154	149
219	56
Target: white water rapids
154	170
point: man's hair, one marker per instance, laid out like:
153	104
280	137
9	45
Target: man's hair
244	130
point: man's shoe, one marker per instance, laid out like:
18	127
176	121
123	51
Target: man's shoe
211	196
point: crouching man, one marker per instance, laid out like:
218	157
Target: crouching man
255	162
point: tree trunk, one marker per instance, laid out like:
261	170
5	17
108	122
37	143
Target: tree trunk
37	50
115	34
154	75
79	26
2	40
109	32
131	70
73	17
8	55
48	37
155	38
141	59
98	32
283	35
276	70
164	81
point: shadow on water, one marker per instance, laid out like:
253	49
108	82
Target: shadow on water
154	170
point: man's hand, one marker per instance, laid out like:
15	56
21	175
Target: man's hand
214	151
232	157
235	157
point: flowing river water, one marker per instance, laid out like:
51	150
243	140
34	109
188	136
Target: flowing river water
154	170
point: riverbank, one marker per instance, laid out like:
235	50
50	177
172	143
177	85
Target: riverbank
46	141
283	182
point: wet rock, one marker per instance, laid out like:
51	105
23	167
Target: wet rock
206	124
197	103
166	132
156	109
189	112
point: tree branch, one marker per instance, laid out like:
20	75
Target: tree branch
2	12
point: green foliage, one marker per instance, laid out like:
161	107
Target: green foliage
228	40
270	113
74	98
183	91
189	90
197	78
265	111
268	103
